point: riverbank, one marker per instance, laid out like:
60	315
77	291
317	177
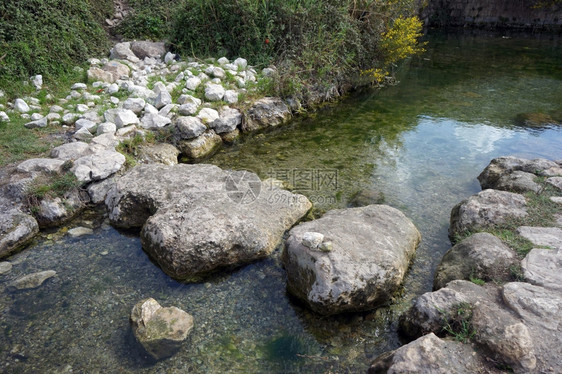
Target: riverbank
393	141
496	302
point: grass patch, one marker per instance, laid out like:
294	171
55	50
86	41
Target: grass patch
458	322
477	281
51	186
18	143
130	147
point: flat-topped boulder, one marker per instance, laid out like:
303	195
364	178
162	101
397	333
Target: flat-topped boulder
486	209
350	259
543	267
481	256
543	236
198	218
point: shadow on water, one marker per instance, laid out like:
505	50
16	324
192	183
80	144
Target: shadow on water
420	145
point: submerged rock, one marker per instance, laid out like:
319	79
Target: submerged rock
161	331
366	197
5	267
485	210
198	218
369	252
481	256
32	280
536	120
77	232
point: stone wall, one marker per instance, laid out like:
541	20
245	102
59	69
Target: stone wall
492	14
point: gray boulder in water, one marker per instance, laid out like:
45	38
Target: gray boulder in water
359	261
198	218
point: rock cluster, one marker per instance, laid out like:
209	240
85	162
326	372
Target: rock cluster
140	88
513	324
198	218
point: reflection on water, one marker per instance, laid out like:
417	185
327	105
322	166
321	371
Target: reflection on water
421	144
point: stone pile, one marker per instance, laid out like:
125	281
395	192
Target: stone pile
511	324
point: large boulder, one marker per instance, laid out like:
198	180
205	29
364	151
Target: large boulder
41	165
481	256
543	236
266	112
53	211
97	166
502	167
228	121
117	69
16	230
431	310
144	49
486	209
71	151
518	181
197	218
160	331
431	355
186	128
350	259
122	51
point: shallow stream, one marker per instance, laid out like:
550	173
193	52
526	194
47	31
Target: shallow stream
420	145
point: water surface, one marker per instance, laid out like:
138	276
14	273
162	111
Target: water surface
419	144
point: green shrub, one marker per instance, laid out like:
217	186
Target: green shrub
149	19
314	43
49	37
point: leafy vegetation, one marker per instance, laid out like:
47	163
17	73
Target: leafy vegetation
458	322
149	19
49	37
51	186
315	44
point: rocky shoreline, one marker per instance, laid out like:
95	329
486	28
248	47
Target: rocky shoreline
198	219
494	308
139	94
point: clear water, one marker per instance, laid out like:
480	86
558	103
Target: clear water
421	144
